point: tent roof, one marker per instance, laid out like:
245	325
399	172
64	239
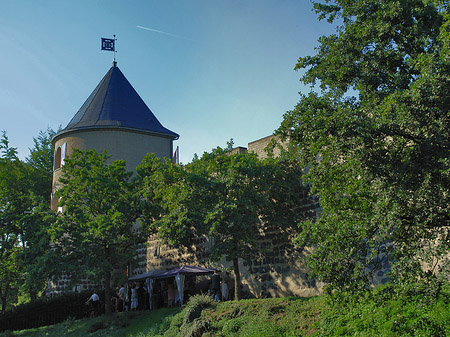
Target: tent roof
184	270
115	104
144	275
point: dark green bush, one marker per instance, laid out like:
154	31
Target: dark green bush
388	312
193	324
195	306
46	311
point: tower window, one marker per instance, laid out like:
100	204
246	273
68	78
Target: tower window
60	155
57	159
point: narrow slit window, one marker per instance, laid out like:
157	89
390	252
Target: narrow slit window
57	160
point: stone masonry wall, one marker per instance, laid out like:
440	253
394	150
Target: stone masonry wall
280	271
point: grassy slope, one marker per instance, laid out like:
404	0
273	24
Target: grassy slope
371	316
121	324
266	317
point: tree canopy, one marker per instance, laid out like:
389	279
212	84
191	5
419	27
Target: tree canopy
375	137
232	198
94	235
24	215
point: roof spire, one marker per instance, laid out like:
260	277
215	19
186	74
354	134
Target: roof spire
115	104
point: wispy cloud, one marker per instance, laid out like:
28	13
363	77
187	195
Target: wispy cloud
165	33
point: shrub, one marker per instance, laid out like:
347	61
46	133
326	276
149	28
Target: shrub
407	314
195	306
45	311
189	322
193	324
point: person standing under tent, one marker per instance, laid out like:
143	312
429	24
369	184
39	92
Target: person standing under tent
134	298
224	289
141	296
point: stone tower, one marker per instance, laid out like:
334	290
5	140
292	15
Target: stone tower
116	119
113	118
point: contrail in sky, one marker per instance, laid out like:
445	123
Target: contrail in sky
165	33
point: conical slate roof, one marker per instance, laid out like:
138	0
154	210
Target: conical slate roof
115	104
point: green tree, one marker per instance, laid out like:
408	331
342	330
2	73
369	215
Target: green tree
37	220
375	140
232	198
236	203
14	201
95	234
35	244
40	161
173	200
24	199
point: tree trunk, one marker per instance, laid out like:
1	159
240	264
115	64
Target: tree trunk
237	279
108	293
4	297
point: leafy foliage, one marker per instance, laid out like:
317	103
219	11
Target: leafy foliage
94	234
41	160
173	198
23	217
375	141
384	313
231	197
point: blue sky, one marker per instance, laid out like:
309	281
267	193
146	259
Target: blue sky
215	70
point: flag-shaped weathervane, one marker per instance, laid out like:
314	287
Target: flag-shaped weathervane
109	45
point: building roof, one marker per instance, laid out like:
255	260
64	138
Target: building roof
115	104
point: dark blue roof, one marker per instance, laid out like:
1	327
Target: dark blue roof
115	104
185	270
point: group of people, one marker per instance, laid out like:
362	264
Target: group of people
136	298
165	293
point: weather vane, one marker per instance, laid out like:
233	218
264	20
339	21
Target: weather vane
110	45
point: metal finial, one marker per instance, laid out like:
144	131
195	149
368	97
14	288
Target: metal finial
114	62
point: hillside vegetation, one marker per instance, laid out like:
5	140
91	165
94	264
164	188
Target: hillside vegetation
374	315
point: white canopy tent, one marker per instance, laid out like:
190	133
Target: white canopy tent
179	273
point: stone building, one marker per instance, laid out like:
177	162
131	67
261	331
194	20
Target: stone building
114	118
